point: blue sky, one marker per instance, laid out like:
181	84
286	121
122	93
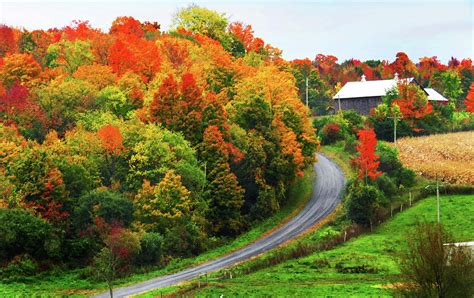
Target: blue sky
359	29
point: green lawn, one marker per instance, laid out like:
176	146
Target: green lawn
318	274
73	283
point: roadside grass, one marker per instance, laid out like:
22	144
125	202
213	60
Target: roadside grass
72	283
333	272
340	157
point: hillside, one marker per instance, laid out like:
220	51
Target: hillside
327	273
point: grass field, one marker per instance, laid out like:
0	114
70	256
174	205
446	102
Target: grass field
450	157
71	283
327	273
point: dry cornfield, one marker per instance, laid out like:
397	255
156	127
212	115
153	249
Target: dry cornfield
450	156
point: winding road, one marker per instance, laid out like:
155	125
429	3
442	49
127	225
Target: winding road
326	195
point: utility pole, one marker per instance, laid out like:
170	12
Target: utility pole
307	85
339	102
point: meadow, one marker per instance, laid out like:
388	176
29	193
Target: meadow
363	266
448	157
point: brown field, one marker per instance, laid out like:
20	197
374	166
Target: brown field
450	157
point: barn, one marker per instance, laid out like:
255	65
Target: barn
361	96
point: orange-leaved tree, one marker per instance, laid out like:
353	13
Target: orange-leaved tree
112	142
367	161
111	138
413	103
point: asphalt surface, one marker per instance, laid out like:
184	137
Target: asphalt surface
326	195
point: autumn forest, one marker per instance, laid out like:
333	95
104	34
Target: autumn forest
154	145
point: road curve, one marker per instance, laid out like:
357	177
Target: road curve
326	195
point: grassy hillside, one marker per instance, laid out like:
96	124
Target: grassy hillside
329	273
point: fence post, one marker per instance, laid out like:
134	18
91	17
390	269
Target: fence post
409	197
345	236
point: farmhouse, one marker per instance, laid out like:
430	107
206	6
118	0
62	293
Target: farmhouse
363	95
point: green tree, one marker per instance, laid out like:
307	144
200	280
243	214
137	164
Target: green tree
203	21
69	55
62	100
362	202
223	192
22	232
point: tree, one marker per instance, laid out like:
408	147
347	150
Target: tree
111	138
130	53
413	104
112	142
362	202
21	69
7	40
202	21
22	232
367	161
97	75
432	266
223	192
69	55
128	26
62	100
17	109
110	206
121	246
164	205
163	107
403	66
469	101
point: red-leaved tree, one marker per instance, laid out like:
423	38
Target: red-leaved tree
470	99
367	161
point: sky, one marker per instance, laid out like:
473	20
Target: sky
347	29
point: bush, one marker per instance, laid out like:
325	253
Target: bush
151	249
430	268
21	266
350	144
21	232
183	240
362	202
330	133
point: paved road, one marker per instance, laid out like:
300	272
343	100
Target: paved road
326	196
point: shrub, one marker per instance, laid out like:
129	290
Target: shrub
350	144
362	202
151	249
21	266
430	268
330	133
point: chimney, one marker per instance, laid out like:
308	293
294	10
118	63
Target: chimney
363	78
396	76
